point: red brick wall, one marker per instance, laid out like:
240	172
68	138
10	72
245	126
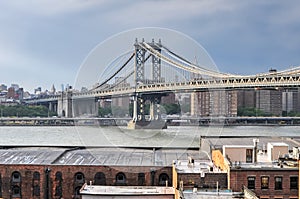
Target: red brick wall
68	183
209	181
239	178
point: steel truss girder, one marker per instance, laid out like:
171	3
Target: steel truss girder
139	64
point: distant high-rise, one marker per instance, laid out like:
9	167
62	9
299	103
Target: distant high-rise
214	103
269	101
11	93
15	86
246	98
290	100
53	90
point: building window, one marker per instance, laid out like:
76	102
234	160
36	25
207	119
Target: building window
278	183
293	182
264	182
58	190
58	176
141	179
249	155
0	186
36	175
79	177
120	179
251	182
77	193
16	191
36	190
163	179
16	177
100	179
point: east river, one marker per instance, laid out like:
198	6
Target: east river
179	136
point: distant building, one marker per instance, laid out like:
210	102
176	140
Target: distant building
269	101
3	87
246	98
200	103
169	99
273	175
11	94
38	90
15	86
53	89
214	103
291	101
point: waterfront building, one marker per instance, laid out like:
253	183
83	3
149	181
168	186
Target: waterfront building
200	104
227	170
214	103
60	173
169	99
269	101
290	101
272	174
246	98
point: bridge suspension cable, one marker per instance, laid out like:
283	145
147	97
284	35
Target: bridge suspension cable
114	74
191	68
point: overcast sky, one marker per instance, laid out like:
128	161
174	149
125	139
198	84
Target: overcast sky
44	42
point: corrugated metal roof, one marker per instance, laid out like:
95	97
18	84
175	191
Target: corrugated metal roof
95	156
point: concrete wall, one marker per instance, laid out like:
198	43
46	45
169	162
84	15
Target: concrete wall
275	151
236	153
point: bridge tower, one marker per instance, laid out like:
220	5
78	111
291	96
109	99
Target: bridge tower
139	100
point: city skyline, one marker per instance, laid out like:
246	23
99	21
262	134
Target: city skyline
44	43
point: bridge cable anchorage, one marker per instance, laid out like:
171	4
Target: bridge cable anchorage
192	68
112	76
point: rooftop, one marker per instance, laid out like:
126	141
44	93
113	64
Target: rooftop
95	156
264	162
126	190
198	166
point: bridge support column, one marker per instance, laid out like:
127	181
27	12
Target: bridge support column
64	106
139	120
154	108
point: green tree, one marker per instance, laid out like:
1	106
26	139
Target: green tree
25	111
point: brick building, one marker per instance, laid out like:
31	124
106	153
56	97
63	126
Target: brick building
264	177
214	103
60	173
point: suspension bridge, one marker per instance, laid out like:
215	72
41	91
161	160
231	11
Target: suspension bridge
150	71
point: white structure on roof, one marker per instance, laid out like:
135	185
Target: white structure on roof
239	153
126	192
276	150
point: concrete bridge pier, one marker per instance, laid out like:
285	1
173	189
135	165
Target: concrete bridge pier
64	105
52	106
139	120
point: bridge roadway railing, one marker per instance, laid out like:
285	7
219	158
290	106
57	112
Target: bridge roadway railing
225	83
204	84
52	98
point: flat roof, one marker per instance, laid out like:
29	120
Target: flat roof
199	166
95	156
278	144
263	162
126	190
238	146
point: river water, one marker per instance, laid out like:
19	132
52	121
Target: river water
179	136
